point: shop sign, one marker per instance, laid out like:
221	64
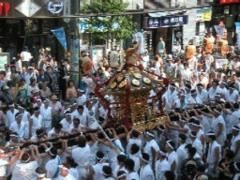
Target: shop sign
204	14
168	21
55	7
5	8
229	1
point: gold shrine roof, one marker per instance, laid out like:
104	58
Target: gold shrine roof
133	79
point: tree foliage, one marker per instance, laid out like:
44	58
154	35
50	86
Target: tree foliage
118	27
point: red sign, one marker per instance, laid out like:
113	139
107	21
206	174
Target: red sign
229	1
4	8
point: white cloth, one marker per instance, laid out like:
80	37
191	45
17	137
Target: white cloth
10	116
146	172
66	125
3	167
215	124
82	155
36	123
47	117
68	177
21	129
81	100
98	173
25	56
161	167
52	167
133	176
149	146
211	156
24	171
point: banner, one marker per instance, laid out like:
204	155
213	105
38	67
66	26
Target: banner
229	1
237	24
168	21
61	36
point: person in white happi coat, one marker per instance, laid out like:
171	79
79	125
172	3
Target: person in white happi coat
25	167
202	93
37	120
81	155
20	127
151	147
198	137
135	155
133	137
107	173
236	112
146	172
10	115
169	98
26	114
223	90
214	90
46	113
230	119
232	94
219	126
132	173
193	99
82	98
65	174
196	143
97	168
181	152
52	165
172	155
235	142
162	165
81	115
213	154
66	122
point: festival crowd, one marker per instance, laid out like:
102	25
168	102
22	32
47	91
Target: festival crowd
51	129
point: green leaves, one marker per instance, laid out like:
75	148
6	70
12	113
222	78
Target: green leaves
119	26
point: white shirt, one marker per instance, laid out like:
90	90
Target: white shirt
36	123
81	155
133	176
81	100
212	92
198	145
232	96
10	116
203	95
161	167
146	172
137	160
211	157
21	129
148	147
47	116
172	157
24	171
26	56
82	117
52	167
66	125
68	177
216	121
3	167
98	173
181	154
170	99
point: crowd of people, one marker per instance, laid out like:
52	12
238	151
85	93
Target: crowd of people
46	134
